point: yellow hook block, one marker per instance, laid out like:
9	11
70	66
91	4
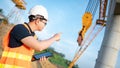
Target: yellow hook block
86	23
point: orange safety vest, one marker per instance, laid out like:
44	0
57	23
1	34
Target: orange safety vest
19	57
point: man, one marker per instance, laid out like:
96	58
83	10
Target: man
19	43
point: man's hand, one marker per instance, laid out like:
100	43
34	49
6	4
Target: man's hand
57	36
43	59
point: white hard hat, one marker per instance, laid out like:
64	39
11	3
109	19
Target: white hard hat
39	10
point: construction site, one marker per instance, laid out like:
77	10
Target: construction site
105	14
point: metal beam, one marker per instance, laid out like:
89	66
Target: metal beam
118	1
117	9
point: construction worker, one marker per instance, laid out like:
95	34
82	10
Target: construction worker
20	42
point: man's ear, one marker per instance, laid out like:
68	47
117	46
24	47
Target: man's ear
37	21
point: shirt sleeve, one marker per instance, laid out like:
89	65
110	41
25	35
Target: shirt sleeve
19	32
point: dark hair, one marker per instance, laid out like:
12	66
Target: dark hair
31	18
34	17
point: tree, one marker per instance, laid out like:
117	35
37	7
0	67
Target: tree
1	11
3	19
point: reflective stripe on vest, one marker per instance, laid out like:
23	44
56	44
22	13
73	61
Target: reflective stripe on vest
9	66
16	55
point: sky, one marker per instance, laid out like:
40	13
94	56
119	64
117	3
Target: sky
64	16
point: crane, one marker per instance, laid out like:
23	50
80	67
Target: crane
20	4
87	18
15	14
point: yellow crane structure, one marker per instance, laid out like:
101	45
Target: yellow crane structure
15	14
87	18
20	4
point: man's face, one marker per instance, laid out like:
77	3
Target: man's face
41	24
